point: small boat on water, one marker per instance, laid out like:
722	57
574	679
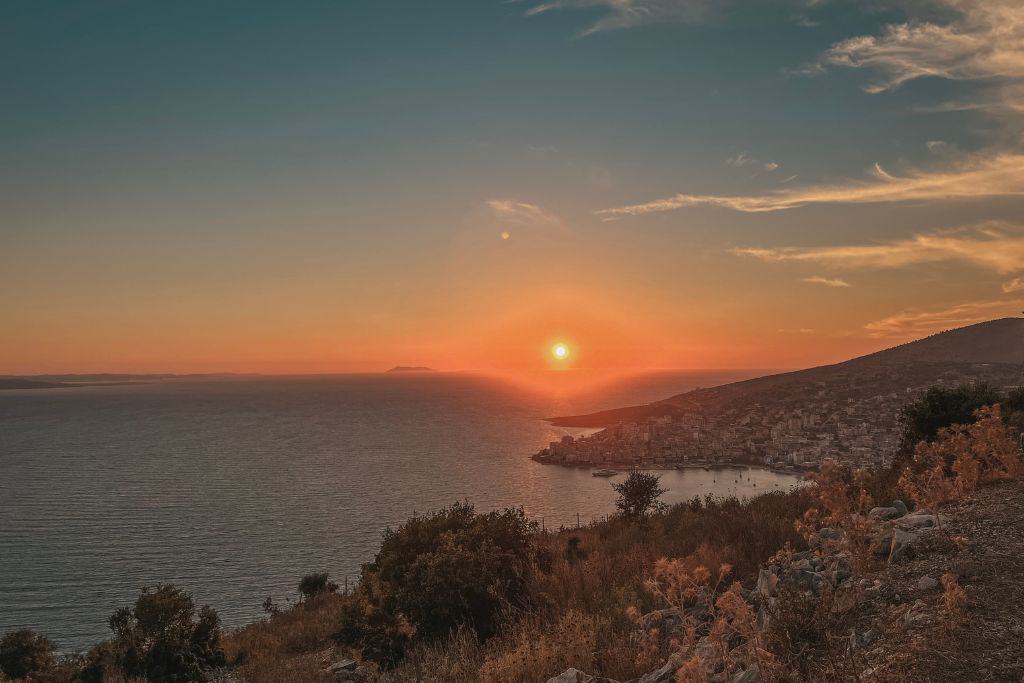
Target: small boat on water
605	473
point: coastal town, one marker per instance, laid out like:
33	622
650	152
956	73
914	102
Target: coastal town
850	414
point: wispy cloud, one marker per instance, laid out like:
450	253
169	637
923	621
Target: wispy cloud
997	247
628	13
914	323
827	281
744	161
1014	285
974	177
984	40
521	213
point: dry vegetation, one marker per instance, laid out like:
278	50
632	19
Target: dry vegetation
458	596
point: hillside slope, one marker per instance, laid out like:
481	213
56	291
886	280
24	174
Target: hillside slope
990	351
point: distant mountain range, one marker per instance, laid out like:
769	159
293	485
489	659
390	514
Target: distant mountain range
99	379
411	368
991	351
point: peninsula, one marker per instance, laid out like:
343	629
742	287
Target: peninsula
848	411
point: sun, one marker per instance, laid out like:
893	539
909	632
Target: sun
560	351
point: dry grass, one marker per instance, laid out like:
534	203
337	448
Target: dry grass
292	645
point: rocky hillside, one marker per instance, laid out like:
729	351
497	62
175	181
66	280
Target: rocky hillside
947	604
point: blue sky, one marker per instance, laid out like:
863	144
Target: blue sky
324	185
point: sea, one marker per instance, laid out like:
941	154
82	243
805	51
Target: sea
234	488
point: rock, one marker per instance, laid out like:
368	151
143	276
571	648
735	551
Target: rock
916	615
842	567
822	535
767	582
751	675
916	521
902	542
927	583
666	674
763	620
807	580
571	676
881	542
347	671
900	506
884	513
801	565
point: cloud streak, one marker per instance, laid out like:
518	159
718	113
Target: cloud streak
744	161
628	13
522	213
826	281
913	323
974	178
997	247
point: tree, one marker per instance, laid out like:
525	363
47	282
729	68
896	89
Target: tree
25	652
638	495
312	585
159	637
940	407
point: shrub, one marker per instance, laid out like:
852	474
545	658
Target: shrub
842	499
436	573
315	584
159	637
638	495
950	468
25	652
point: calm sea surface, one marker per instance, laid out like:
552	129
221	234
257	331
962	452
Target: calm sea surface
236	488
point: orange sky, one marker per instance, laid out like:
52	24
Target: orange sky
459	185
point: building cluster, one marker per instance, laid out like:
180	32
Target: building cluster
851	416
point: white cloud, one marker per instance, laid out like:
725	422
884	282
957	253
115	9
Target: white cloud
827	281
997	247
915	323
984	40
974	177
521	213
744	161
629	13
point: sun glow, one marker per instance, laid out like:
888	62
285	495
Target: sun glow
560	351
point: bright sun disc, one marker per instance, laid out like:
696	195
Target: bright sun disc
560	351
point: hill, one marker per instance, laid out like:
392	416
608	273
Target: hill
989	351
410	368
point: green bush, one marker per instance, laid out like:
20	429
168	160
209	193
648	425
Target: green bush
159	637
638	495
438	572
941	407
25	652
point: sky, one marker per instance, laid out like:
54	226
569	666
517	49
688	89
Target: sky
335	185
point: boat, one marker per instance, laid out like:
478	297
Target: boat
605	473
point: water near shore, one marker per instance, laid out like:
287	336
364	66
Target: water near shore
236	488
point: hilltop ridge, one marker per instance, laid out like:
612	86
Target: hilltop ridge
992	343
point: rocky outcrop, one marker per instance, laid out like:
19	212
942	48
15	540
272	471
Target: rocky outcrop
347	671
576	676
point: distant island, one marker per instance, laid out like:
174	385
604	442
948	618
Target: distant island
68	381
19	383
411	368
